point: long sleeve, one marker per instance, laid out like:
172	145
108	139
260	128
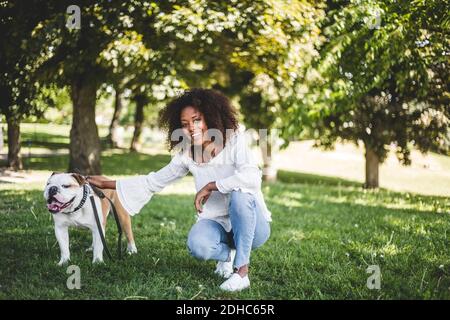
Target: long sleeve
247	176
135	192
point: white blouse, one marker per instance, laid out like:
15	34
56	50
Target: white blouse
234	168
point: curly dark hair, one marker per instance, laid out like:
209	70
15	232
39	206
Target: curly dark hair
216	108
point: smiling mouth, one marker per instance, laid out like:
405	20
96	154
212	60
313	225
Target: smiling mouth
55	206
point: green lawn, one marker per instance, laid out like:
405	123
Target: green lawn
326	232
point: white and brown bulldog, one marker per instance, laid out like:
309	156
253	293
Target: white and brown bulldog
67	197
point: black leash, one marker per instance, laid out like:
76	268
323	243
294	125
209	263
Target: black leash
101	195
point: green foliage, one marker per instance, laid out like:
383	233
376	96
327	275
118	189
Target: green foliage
375	71
75	53
21	94
253	50
382	77
272	56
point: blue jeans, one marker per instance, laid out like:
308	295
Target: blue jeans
249	230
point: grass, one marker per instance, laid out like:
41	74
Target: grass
114	162
308	178
325	234
323	239
428	174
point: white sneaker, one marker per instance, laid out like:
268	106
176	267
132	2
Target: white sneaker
225	268
235	283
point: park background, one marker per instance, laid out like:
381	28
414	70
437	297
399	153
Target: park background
354	91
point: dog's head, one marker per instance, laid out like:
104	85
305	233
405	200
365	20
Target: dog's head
62	190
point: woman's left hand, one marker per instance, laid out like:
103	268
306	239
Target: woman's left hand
202	196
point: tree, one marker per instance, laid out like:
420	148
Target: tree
75	62
381	78
21	94
254	40
277	57
251	50
143	71
112	138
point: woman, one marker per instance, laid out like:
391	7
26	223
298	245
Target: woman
232	216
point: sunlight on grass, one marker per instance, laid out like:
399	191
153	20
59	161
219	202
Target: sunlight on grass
295	235
428	174
289	202
325	232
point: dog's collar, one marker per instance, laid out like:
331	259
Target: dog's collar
83	200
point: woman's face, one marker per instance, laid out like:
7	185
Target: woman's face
193	124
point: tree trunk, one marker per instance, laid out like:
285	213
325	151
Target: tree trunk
372	166
269	170
1	137
112	138
85	145
138	120
14	157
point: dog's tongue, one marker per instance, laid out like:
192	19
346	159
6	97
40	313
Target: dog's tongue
54	206
57	204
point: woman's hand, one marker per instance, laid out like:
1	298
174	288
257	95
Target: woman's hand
101	182
202	196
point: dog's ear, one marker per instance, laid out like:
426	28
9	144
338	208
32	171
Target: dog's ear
80	179
55	173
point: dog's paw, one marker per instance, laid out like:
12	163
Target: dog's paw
90	249
131	249
97	260
63	261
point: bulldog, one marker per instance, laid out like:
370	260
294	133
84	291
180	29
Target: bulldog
67	196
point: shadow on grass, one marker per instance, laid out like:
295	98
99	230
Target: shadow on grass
28	266
118	163
301	177
44	140
336	186
58	163
133	163
318	246
52	142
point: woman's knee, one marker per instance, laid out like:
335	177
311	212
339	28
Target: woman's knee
262	234
204	239
241	203
201	248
